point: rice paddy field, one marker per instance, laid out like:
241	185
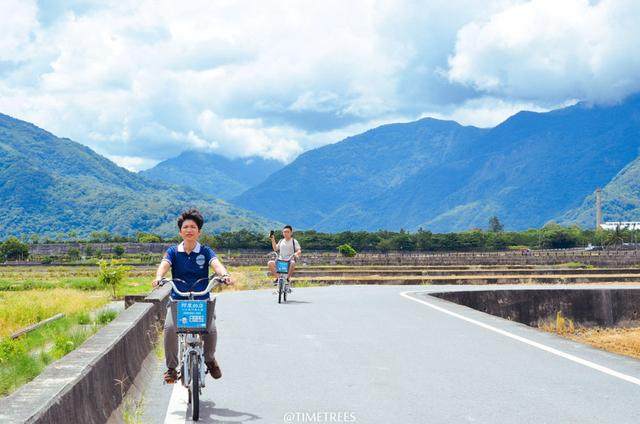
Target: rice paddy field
30	294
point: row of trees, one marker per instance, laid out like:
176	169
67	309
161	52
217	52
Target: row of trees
12	249
551	236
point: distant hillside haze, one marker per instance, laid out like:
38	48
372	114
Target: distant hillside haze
620	200
50	185
441	176
219	176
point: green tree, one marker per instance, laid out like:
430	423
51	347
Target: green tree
73	254
13	249
112	274
347	250
100	237
495	226
118	251
148	238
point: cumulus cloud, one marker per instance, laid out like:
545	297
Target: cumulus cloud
140	81
487	112
18	25
550	51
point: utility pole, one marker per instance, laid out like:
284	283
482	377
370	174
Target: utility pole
598	208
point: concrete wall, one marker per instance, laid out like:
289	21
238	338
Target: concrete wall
88	384
602	307
254	257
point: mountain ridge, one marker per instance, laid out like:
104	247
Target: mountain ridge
50	185
442	176
217	175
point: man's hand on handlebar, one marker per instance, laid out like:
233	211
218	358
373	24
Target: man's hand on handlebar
226	278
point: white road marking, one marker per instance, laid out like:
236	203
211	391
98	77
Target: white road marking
540	346
178	404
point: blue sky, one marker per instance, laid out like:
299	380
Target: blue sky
140	81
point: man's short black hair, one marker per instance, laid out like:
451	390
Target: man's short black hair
192	214
289	227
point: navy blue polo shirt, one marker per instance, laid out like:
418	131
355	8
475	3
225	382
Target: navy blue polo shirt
190	267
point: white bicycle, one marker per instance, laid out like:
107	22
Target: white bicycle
282	269
192	318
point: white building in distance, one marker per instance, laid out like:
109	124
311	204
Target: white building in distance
623	225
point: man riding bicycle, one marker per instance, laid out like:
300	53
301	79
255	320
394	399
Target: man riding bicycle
288	247
189	261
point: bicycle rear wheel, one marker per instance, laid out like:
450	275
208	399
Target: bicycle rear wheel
280	290
195	388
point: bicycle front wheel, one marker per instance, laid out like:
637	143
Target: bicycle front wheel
280	291
195	388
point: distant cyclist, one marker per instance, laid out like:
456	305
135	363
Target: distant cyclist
287	247
189	261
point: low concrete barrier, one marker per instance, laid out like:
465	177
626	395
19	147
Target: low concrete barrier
602	307
308	273
478	280
88	384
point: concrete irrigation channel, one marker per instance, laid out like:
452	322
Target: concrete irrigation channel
474	280
469	275
354	272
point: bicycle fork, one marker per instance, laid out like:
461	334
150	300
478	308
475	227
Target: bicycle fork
192	351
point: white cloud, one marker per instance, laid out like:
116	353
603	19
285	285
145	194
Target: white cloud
140	81
19	21
550	51
487	112
133	163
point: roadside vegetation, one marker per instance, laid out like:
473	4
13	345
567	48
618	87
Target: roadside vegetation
624	341
31	294
23	358
493	238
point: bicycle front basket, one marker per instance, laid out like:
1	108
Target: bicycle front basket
282	267
191	315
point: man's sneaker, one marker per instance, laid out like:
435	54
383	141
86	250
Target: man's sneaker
214	369
170	376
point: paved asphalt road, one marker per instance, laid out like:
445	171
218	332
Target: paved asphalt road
367	354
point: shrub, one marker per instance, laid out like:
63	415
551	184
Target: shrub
111	274
73	254
347	250
118	251
106	316
83	318
148	238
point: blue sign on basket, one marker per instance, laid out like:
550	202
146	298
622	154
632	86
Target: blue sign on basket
192	314
282	267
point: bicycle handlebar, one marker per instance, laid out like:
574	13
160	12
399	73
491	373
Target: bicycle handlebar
277	256
214	281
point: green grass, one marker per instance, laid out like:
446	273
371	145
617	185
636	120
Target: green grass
138	280
20	309
31	294
23	359
574	265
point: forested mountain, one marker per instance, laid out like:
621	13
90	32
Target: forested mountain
50	185
217	175
442	176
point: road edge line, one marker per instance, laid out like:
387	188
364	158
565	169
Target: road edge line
570	357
